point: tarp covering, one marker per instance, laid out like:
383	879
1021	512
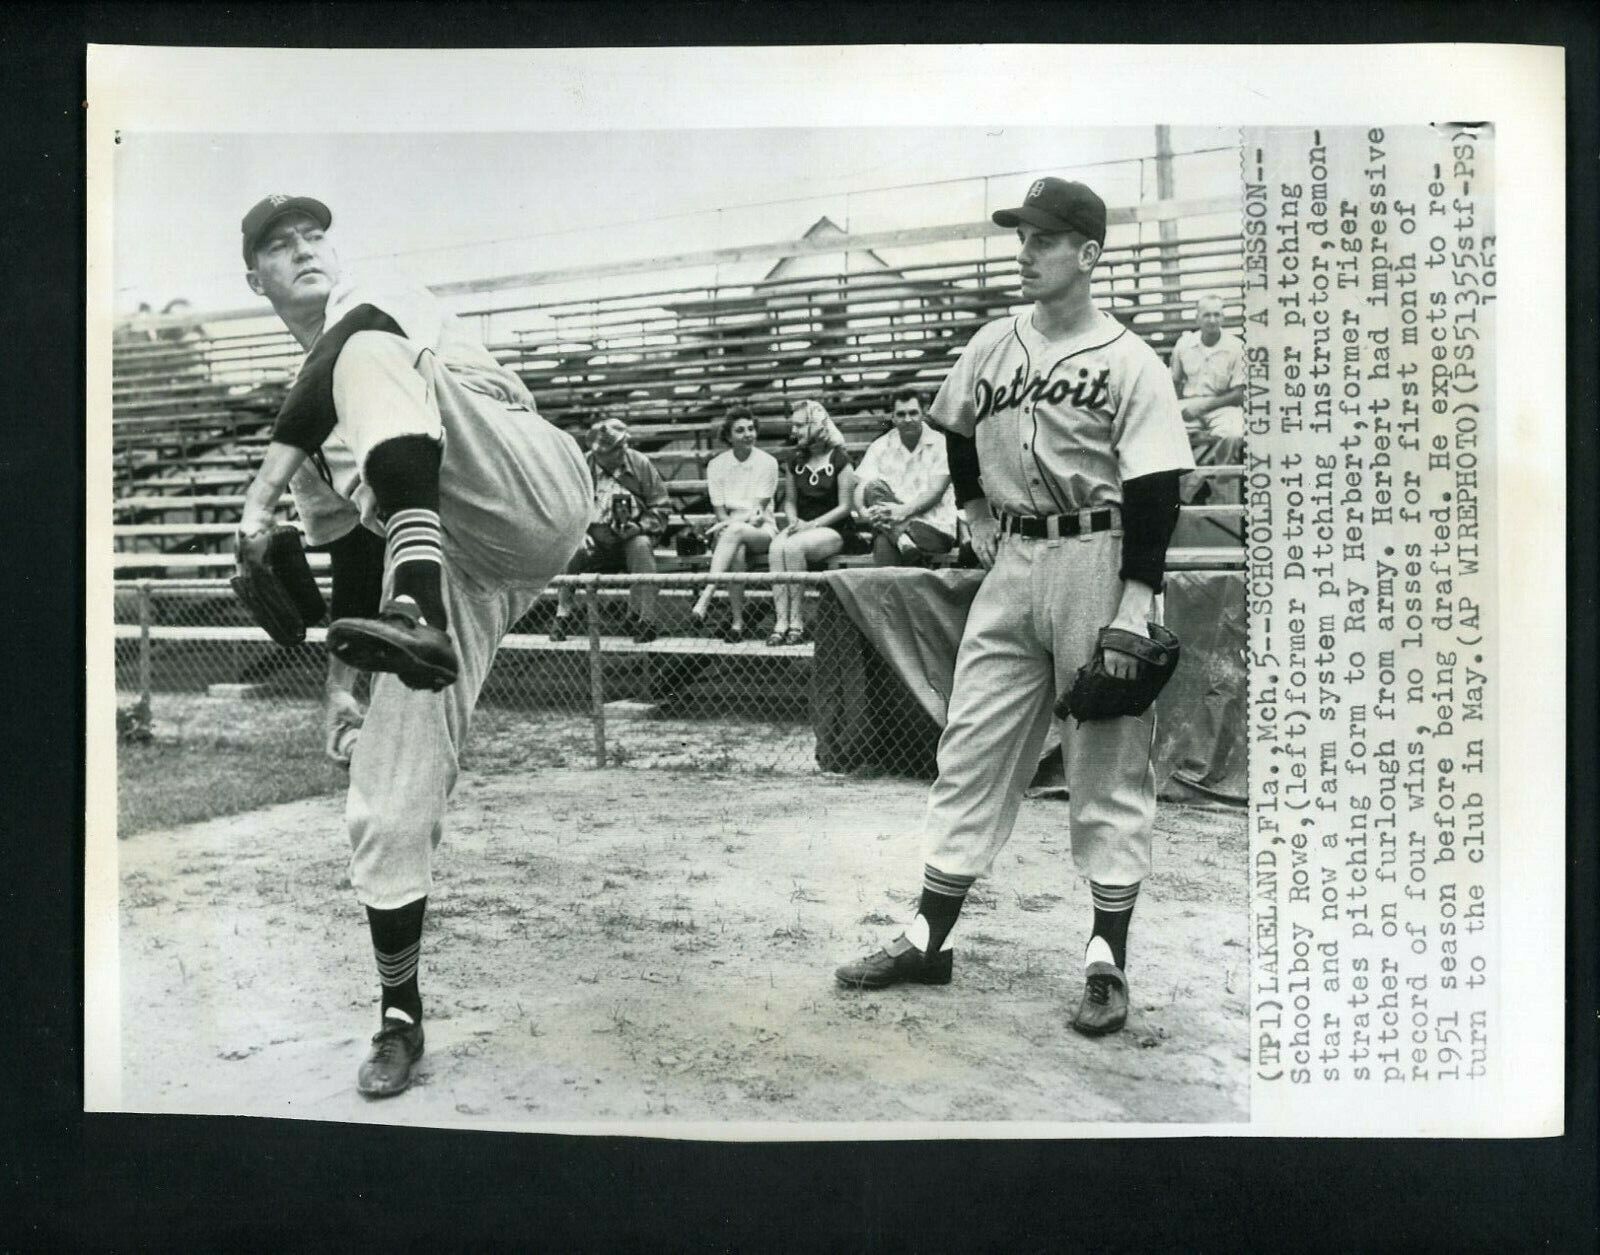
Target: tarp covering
868	713
885	657
1201	717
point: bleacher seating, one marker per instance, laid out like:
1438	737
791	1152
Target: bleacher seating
190	416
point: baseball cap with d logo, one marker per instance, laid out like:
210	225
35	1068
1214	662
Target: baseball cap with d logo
1058	205
270	208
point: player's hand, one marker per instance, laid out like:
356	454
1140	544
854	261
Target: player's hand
1120	665
985	529
254	519
588	543
1133	615
342	717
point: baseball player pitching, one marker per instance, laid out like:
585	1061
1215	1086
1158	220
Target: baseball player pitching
446	503
1066	446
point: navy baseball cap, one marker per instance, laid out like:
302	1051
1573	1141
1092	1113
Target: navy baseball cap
269	209
1058	205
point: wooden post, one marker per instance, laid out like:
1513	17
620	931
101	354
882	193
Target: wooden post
1166	228
144	640
597	679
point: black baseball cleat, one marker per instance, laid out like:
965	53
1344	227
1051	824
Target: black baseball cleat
1104	1008
396	1047
397	641
896	962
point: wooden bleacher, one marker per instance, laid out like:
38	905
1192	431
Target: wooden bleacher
191	414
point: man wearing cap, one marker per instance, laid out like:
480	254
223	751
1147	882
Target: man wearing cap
1209	374
445	503
1065	448
630	511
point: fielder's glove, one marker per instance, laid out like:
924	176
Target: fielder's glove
1097	694
275	583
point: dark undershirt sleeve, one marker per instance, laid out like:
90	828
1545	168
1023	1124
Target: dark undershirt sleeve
357	559
961	454
1149	513
308	416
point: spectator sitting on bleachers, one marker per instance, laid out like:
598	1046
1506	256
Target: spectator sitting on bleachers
1209	374
903	489
630	511
743	483
820	483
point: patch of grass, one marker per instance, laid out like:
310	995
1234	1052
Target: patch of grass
162	784
211	756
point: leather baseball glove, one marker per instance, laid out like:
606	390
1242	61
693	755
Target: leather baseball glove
1097	694
275	583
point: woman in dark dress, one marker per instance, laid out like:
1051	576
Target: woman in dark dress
820	481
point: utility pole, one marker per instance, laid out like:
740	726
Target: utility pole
1167	227
1164	185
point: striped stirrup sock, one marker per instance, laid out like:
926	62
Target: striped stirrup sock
416	556
942	896
396	947
1113	911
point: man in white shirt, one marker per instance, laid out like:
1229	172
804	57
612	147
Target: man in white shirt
903	489
1208	374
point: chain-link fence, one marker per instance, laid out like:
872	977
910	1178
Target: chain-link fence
707	694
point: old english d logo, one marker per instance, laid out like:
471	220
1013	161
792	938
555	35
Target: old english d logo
1033	192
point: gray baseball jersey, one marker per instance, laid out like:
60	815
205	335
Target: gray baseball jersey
1060	424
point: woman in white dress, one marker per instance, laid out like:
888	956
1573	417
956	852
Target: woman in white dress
743	483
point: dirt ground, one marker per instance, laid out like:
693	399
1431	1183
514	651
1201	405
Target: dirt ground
653	949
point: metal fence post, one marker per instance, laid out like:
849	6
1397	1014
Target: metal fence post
144	641
597	681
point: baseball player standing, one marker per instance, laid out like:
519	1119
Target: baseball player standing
446	503
1066	447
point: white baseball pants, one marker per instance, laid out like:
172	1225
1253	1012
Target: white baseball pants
1032	624
514	500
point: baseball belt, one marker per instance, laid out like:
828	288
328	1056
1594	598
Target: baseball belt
1058	526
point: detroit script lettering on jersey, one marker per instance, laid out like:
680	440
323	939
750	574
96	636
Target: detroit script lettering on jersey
1059	424
1084	388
